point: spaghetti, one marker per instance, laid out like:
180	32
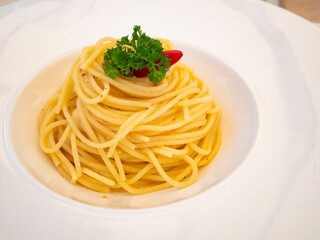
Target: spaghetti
130	135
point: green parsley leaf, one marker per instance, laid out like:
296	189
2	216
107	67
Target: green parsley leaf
139	52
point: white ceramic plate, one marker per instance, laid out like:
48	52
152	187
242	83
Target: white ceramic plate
240	122
275	195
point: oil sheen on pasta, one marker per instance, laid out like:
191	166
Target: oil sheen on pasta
113	135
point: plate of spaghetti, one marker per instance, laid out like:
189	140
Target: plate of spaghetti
134	122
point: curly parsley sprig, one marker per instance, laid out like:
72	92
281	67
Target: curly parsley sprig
139	52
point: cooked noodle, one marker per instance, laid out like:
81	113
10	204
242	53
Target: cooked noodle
129	134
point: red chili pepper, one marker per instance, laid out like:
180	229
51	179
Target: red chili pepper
174	55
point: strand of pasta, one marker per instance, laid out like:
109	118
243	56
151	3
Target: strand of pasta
48	130
66	87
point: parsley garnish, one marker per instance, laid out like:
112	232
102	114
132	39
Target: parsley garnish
135	54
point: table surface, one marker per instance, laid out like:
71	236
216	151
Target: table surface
274	196
308	9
